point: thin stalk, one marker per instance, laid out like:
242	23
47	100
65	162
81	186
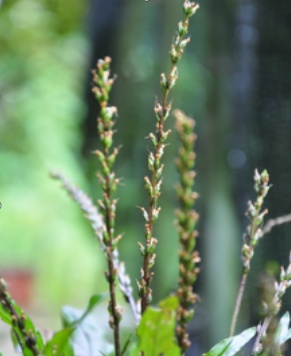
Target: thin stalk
238	303
153	184
270	224
261	333
153	208
108	183
111	277
97	223
252	236
245	272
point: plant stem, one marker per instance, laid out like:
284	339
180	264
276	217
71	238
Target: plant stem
108	183
97	223
153	184
153	207
243	282
272	308
238	303
251	237
271	223
261	333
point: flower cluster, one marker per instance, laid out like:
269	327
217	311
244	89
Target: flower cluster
154	182
97	223
253	234
280	289
272	305
108	182
186	222
256	217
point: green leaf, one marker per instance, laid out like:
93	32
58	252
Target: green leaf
230	346
70	320
239	341
282	330
89	337
219	349
288	335
29	327
156	332
17	332
60	345
5	316
126	344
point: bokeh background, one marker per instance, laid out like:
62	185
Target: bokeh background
234	79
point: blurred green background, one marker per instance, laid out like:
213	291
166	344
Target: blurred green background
44	51
234	79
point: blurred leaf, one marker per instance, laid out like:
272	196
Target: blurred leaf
230	346
288	335
69	319
60	344
89	338
17	332
281	332
281	335
220	348
156	332
15	342
5	316
126	344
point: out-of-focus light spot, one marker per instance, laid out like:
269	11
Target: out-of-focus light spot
139	64
247	33
242	80
27	13
236	158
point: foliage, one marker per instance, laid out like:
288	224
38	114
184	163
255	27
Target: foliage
41	46
156	331
163	330
231	345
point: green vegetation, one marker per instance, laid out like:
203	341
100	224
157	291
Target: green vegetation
159	330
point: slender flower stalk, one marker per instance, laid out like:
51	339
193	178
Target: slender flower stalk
154	182
186	222
97	223
252	236
271	223
272	308
108	183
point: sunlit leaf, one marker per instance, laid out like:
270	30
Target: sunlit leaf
230	346
4	315
281	332
156	332
219	349
89	338
69	319
60	345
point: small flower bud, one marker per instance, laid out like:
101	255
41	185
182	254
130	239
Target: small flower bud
165	135
151	161
182	29
184	43
190	8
